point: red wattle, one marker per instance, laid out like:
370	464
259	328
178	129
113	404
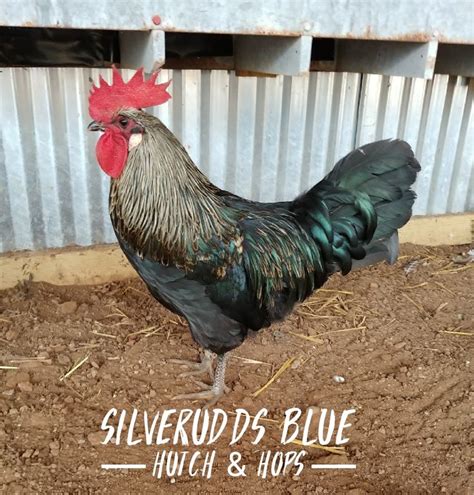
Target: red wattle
112	152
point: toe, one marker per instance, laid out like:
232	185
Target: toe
205	394
184	362
209	396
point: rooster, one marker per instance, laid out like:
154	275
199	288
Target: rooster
226	264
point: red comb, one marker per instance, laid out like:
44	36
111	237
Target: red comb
105	100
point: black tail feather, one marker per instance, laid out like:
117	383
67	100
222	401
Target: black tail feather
367	197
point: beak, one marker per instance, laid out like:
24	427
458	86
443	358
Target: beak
95	126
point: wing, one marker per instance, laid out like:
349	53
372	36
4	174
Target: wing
282	262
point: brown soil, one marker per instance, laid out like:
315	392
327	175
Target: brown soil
405	375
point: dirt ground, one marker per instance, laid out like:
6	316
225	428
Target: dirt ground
400	336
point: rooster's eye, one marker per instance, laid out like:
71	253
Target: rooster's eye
123	122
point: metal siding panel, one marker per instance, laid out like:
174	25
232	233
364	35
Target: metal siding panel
42	123
269	121
163	112
412	109
292	165
447	146
176	105
218	120
334	120
321	126
428	142
461	194
349	115
308	133
258	138
191	101
263	138
24	83
14	165
345	118
368	112
284	132
392	107
7	241
58	82
76	120
244	136
231	171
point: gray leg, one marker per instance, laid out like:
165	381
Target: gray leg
201	368
216	391
219	376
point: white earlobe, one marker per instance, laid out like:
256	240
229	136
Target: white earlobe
135	140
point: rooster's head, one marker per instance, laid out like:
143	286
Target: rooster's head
112	107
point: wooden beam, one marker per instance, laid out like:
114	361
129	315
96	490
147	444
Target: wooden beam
273	54
68	266
142	49
391	58
439	230
457	60
100	264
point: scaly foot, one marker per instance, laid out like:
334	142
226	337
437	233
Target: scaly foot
211	393
201	368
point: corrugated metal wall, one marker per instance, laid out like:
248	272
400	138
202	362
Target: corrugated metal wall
263	138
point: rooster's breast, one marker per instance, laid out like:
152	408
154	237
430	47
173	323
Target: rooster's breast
190	298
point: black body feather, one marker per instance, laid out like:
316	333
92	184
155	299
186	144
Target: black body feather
275	255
